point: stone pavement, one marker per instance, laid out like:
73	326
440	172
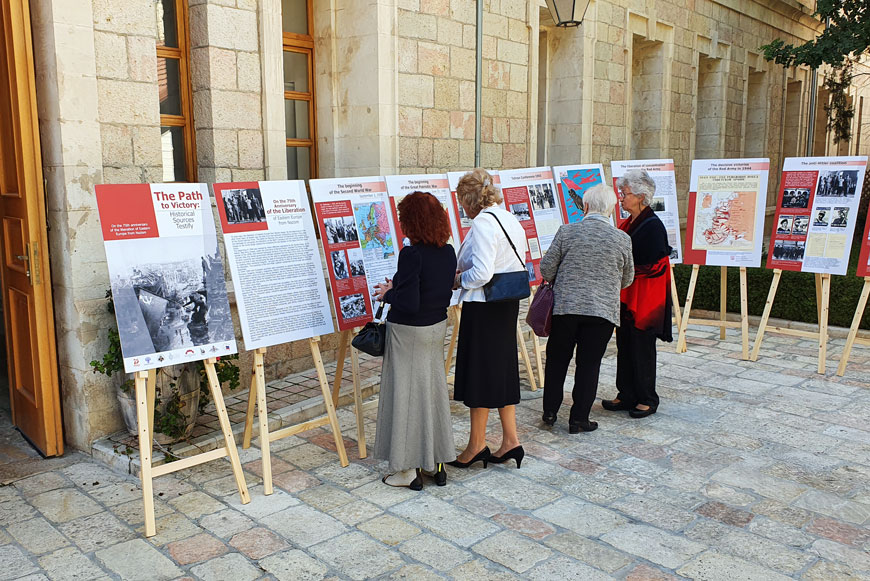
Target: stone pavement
748	471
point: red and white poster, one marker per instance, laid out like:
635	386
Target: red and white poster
725	221
359	240
274	260
166	274
664	202
436	184
864	256
530	195
463	222
816	214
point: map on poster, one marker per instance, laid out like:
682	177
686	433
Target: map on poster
726	212
274	261
664	202
816	214
530	195
572	182
359	242
166	274
463	222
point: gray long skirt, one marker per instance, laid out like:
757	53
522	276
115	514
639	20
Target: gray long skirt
414	426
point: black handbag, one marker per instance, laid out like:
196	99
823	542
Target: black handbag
507	286
372	337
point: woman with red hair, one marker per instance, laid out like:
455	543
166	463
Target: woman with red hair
414	429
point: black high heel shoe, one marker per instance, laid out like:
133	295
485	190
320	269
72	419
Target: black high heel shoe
482	456
516	453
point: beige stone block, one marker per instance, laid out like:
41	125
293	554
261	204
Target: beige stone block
425	152
233	110
513	8
490	46
416	90
123	175
469	36
518	31
519	130
446	152
614	115
601	90
513	52
466	153
461	125
412	5
436	123
407	55
500	130
446	93
463	11
462	63
514	155
418	25
110	52
231	28
117	143
127	102
599	69
410	122
407	152
615	72
466	95
449	31
491	155
495	24
125	17
248	71
617	93
437	7
494	102
74	57
248	175
601	134
147	147
250	149
142	56
517	105
497	74
519	78
433	59
486	129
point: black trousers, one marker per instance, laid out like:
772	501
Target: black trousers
589	335
636	366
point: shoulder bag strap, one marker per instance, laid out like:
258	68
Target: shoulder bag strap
508	238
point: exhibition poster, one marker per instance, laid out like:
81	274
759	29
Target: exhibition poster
274	261
664	202
359	241
166	274
572	182
530	195
725	220
463	222
864	256
436	184
816	214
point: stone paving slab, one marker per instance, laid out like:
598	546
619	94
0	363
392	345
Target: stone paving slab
749	471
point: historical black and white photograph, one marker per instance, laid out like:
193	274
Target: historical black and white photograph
658	205
784	225
339	264
841	217
801	225
795	198
789	249
840	183
464	220
822	217
542	196
352	306
244	206
355	261
521	211
530	268
340	229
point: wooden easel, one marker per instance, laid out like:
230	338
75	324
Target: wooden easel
823	297
675	300
853	329
257	396
145	388
536	347
454	335
722	323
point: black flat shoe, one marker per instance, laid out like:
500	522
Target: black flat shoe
516	453
636	413
482	456
416	484
549	418
579	426
612	405
439	476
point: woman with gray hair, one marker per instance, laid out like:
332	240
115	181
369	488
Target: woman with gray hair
589	262
645	310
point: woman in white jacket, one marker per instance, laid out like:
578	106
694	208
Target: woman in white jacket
487	370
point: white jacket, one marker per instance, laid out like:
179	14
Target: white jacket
485	251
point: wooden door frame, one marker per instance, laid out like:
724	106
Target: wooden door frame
17	32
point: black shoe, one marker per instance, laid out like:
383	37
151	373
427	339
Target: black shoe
636	413
549	418
575	427
482	456
416	484
516	453
615	406
440	475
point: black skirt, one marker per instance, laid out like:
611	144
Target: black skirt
487	365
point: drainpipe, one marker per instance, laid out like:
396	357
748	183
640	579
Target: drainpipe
478	80
814	89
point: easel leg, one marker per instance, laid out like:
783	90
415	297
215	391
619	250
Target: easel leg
343	341
152	397
263	415
818	297
762	325
451	348
142	406
226	428
252	401
681	341
853	330
327	399
723	298
823	322
357	404
525	354
539	361
675	299
744	314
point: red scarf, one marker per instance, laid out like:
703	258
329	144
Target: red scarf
648	298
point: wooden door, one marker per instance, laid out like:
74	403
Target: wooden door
26	283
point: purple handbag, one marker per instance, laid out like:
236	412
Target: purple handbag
540	315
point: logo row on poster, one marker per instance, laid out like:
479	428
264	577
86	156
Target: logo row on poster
167	276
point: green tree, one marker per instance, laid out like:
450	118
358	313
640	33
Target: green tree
846	37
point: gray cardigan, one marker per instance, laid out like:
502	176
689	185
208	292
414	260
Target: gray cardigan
593	261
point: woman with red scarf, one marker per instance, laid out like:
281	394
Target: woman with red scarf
645	310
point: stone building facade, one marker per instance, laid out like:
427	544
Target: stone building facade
392	90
